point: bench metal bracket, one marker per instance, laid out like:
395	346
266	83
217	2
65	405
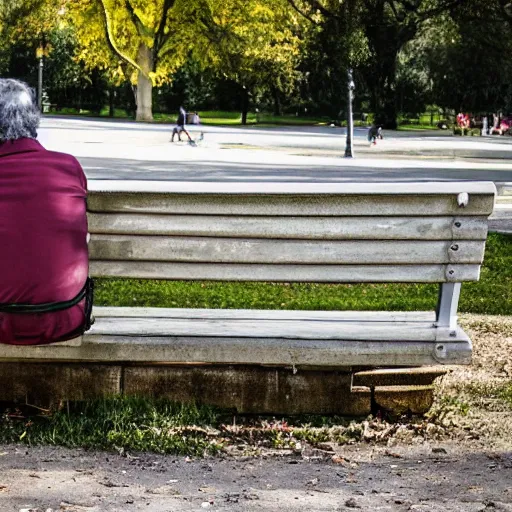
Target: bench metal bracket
446	312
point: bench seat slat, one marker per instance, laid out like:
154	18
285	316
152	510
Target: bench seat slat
325	228
258	351
356	330
264	314
291	205
286	273
230	250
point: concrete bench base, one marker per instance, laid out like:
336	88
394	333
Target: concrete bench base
244	389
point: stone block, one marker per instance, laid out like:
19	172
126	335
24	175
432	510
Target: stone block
251	390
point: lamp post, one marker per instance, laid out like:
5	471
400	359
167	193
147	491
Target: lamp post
349	149
40	55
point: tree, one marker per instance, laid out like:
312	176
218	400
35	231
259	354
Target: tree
131	39
335	43
256	44
148	41
463	52
387	25
26	24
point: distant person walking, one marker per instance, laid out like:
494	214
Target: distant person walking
374	133
495	123
180	126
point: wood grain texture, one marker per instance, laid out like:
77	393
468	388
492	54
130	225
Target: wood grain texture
286	273
274	328
323	228
435	205
182	249
265	314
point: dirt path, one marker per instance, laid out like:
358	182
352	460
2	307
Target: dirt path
422	478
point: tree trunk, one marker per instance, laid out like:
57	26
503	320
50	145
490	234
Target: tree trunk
111	101
386	37
385	107
277	100
144	84
245	105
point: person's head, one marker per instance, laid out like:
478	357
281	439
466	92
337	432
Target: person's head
19	115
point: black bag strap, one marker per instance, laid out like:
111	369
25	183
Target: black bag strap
85	292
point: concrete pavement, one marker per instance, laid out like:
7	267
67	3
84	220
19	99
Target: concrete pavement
123	150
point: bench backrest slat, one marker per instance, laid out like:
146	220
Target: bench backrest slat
303	252
321	228
406	232
305	205
286	273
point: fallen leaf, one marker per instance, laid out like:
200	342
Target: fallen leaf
393	454
207	489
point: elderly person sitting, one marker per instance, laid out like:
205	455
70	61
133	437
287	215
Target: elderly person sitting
45	293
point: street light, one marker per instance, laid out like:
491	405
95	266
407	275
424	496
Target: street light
349	150
40	55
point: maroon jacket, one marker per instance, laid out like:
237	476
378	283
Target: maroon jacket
43	247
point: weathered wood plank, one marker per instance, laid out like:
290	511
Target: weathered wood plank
291	188
423	376
286	273
230	250
325	228
287	329
257	351
266	314
291	205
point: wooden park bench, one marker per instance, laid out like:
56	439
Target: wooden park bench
269	361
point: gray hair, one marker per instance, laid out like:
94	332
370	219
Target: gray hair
19	115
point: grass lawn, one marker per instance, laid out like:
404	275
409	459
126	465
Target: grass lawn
415	127
229	118
208	117
491	295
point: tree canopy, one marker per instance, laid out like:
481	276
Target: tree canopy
287	54
148	41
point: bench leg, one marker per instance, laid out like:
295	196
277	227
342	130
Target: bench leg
447	305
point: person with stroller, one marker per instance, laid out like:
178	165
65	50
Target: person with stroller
180	126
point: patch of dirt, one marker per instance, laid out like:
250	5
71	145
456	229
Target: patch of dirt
458	459
476	392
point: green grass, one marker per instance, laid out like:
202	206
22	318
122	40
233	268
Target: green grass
468	132
118	423
491	295
506	394
137	424
415	127
209	117
229	118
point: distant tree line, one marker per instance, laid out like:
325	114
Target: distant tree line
281	56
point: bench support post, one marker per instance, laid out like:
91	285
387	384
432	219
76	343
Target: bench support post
447	304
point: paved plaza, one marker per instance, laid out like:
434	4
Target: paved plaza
125	150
